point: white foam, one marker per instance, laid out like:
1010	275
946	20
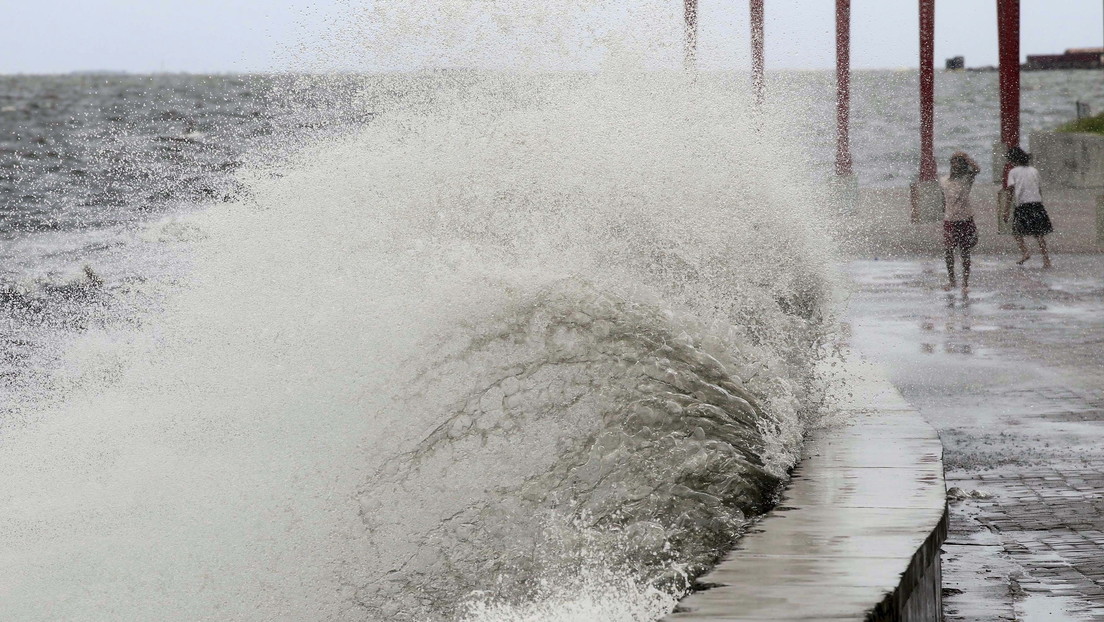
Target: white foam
275	442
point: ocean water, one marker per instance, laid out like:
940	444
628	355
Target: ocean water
450	345
497	350
885	132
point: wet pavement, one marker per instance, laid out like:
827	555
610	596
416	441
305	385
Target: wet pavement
857	529
1012	377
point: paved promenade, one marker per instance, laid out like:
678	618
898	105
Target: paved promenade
1012	377
881	222
858	527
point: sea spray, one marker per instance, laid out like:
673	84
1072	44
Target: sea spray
593	593
595	429
512	35
515	331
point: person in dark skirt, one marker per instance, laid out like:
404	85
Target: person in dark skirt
959	230
1029	216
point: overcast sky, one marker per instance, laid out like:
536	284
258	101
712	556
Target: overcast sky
47	36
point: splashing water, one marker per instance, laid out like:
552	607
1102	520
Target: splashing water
524	347
588	598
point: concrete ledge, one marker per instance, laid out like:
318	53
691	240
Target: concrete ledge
926	200
1100	220
1069	159
858	532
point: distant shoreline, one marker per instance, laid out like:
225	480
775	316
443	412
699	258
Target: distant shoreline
108	73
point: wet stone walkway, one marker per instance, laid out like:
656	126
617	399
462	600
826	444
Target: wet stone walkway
1012	377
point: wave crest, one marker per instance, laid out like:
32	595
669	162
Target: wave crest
595	427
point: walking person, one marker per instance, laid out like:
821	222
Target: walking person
959	231
1029	216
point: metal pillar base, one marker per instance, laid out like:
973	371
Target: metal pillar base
1004	205
927	201
1000	155
845	192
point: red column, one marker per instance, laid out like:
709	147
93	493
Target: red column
1008	34
757	49
691	15
927	90
843	87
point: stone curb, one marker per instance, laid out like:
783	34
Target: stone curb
858	531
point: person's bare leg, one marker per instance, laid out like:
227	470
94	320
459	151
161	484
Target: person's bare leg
965	270
1024	255
1043	250
948	255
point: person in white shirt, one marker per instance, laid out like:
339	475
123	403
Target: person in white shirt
1029	216
959	230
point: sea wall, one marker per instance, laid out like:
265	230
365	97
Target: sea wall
879	227
1069	159
1100	220
858	532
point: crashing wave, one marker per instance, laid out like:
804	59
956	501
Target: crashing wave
520	340
599	427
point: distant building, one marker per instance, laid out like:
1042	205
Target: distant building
956	62
1076	58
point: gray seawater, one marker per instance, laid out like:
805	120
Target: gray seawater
87	158
885	134
88	151
471	345
500	347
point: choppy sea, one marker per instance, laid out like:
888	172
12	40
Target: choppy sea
419	347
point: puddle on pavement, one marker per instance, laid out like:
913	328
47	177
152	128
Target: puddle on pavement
1040	606
1010	376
